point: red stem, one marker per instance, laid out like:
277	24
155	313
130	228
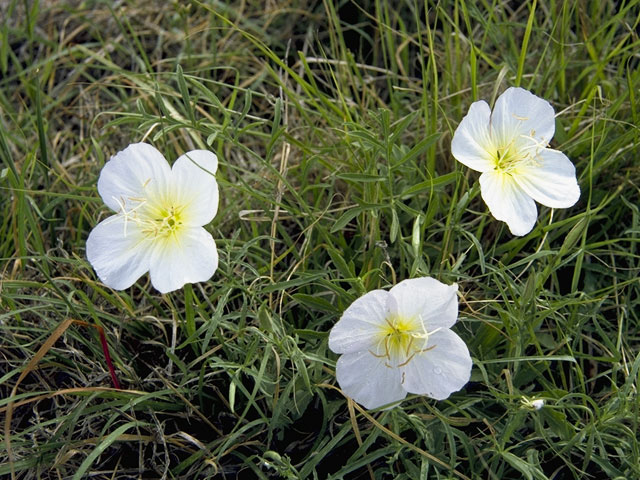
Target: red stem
105	349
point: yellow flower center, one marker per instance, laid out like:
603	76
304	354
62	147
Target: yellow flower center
162	222
520	151
400	339
153	219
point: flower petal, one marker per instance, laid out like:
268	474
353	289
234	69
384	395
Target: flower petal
134	173
551	181
359	327
188	257
204	160
471	144
521	116
365	378
441	370
195	187
434	301
508	202
118	259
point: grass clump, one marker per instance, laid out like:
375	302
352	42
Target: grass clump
332	122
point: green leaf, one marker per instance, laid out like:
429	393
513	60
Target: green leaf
360	177
184	92
420	148
429	185
316	303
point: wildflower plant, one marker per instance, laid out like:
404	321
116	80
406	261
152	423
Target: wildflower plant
331	126
509	145
158	225
398	342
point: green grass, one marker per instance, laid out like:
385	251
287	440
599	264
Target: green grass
332	122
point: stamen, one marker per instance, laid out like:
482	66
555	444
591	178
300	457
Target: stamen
153	221
126	214
428	348
406	362
384	355
401	340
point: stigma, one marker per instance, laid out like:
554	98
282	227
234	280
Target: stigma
401	339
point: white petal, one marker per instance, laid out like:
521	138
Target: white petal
194	186
360	323
434	301
551	181
204	160
537	404
367	380
137	172
471	144
440	371
508	202
520	115
188	257
118	260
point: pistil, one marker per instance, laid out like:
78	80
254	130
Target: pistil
402	339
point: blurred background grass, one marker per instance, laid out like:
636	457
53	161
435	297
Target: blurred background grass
332	122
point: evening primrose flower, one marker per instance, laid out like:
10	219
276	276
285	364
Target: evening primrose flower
510	147
399	341
535	404
160	212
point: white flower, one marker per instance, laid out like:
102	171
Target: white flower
509	147
398	342
159	216
537	404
